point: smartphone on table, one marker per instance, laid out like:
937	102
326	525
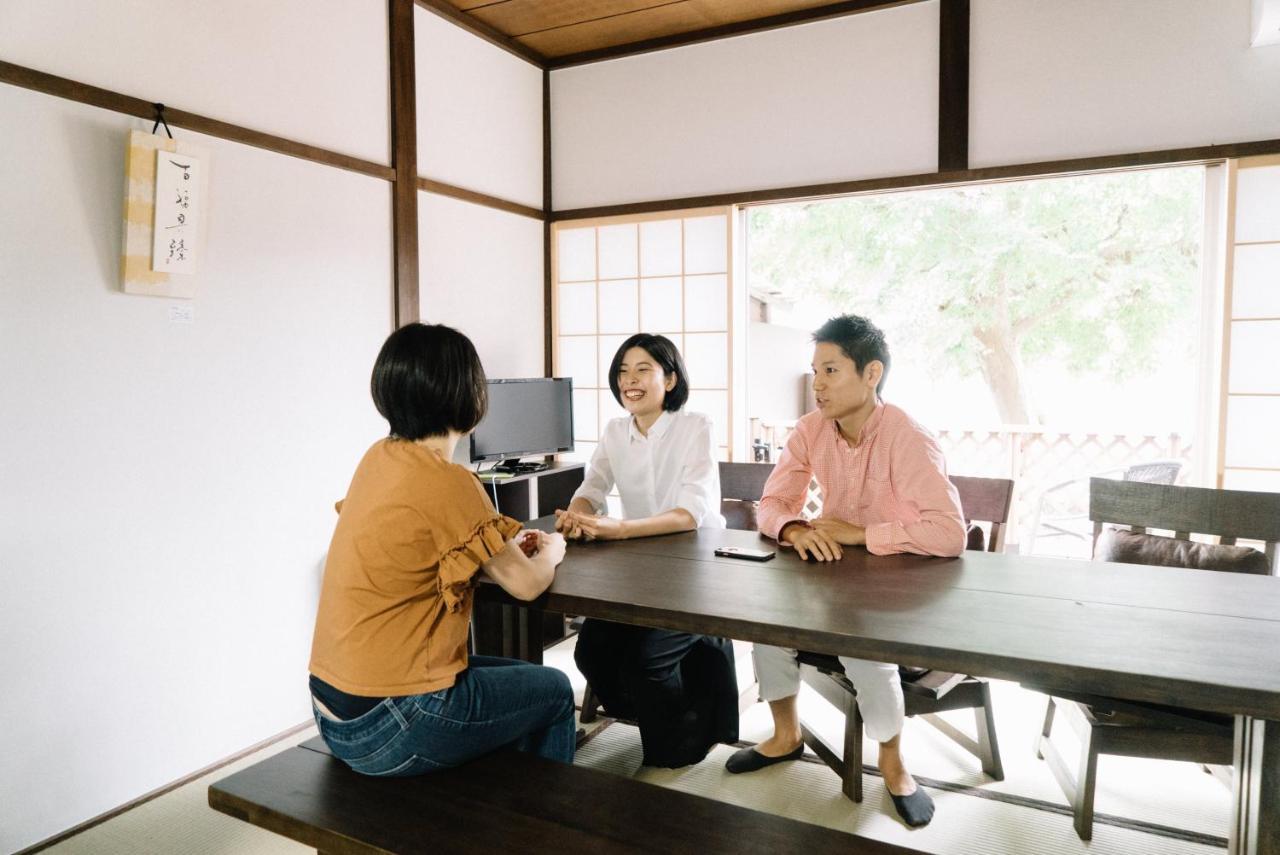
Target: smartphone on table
743	553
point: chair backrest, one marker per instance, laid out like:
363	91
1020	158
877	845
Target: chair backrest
986	500
1229	515
1154	472
741	486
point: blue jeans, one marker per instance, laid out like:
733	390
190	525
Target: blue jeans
495	703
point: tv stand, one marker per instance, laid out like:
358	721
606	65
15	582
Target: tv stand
517	467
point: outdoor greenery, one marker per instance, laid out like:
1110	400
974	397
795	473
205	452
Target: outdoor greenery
1089	271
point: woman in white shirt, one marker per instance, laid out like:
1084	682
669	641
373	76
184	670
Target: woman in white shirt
681	688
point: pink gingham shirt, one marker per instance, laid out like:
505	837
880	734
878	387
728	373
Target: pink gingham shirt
893	482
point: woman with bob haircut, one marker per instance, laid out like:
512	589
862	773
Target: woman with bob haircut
393	689
681	688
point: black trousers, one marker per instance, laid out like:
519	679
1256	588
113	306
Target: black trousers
682	689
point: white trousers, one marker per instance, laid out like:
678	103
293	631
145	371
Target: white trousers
879	688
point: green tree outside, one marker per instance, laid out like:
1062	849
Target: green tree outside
1090	271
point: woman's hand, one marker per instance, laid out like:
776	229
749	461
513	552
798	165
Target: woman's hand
569	523
841	531
601	527
550	547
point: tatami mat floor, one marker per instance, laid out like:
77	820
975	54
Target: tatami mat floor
1144	806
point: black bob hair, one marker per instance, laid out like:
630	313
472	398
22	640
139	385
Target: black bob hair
861	341
664	353
428	381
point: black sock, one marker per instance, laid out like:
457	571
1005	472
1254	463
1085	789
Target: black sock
916	809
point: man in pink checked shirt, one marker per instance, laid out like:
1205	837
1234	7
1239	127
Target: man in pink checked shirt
885	487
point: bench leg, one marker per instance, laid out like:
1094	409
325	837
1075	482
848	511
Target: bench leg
984	720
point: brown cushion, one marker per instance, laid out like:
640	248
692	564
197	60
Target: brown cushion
1131	547
739	514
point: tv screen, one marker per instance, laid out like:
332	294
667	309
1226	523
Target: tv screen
533	416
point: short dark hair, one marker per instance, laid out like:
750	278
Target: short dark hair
861	341
665	354
427	381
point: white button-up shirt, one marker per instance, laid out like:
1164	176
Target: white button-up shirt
673	467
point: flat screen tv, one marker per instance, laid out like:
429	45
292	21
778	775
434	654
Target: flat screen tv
526	417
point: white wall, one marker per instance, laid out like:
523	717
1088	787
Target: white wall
166	490
311	70
856	97
480	127
849	98
479	113
1095	77
482	273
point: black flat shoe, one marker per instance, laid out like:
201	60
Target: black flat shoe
916	809
749	759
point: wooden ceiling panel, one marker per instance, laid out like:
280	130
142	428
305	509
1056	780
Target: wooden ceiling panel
651	23
559	28
522	17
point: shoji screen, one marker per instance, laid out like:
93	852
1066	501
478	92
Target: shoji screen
1249	457
668	273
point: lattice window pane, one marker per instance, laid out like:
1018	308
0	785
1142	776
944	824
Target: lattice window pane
581	453
1251	432
706	303
1255	290
576	249
578	360
585	415
619	307
1255	346
660	305
660	248
706	356
577	308
1257	214
609	345
618	251
705	245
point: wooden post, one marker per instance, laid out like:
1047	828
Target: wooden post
404	160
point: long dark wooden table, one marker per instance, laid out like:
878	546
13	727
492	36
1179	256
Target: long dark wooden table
1197	639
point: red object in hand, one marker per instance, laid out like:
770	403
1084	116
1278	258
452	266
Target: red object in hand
529	543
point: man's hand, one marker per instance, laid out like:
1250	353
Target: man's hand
841	531
814	543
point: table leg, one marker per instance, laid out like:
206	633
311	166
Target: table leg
1255	809
530	632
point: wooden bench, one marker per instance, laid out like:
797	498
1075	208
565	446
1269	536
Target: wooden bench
505	802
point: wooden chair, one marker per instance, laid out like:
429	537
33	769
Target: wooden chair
741	486
926	692
1111	726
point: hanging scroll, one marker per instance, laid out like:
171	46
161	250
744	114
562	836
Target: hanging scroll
164	215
